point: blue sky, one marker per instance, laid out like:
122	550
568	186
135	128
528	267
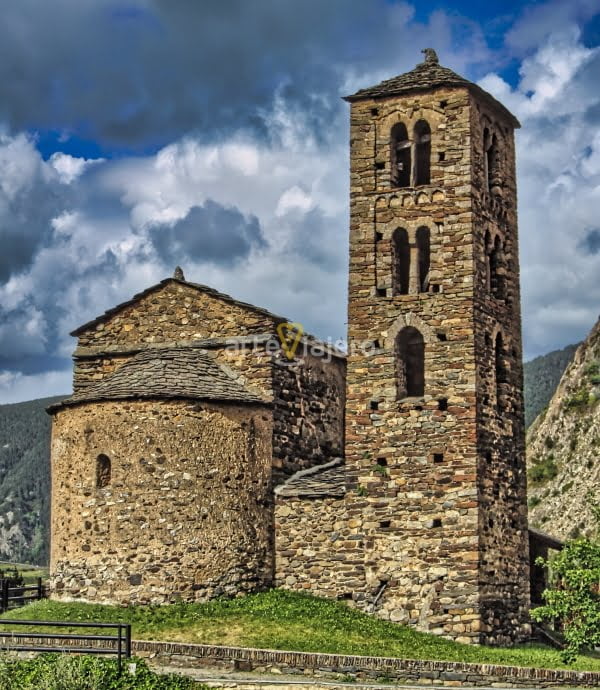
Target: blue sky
136	135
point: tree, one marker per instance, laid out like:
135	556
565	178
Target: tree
574	596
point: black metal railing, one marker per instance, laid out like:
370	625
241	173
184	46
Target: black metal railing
12	596
119	644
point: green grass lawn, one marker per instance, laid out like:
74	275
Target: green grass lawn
29	572
285	620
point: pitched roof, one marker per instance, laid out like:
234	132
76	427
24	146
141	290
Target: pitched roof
169	373
323	481
427	75
201	288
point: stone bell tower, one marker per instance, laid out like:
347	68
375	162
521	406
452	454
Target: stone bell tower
434	415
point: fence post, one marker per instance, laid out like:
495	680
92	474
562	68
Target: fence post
39	588
128	640
5	595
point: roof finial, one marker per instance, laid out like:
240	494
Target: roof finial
430	56
178	274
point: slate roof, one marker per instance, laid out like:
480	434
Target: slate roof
170	373
201	288
323	481
425	76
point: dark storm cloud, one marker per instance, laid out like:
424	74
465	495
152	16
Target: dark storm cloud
210	233
141	74
591	242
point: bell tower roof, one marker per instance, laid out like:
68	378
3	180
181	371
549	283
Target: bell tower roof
427	76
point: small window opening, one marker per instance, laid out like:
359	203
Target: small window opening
422	135
400	156
377	344
103	471
378	236
443	404
382	462
410	363
345	596
380	165
374	112
490	145
435	288
423	238
488	457
438	457
442	337
374	404
501	373
384	524
496	263
381	292
443	104
436	522
401	265
441	156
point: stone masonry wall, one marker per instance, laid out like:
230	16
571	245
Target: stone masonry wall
415	460
172	313
188	510
308	411
502	476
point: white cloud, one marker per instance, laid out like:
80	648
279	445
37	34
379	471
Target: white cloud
17	387
69	168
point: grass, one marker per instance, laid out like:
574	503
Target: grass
284	620
29	572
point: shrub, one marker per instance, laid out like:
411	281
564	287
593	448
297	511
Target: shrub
534	501
573	598
549	442
543	471
579	399
66	672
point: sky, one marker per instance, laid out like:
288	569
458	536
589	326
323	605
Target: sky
135	136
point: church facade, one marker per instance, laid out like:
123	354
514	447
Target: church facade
196	459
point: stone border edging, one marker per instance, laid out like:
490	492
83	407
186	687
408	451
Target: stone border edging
371	666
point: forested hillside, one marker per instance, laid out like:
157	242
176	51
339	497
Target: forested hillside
25	481
542	376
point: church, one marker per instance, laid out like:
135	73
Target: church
210	448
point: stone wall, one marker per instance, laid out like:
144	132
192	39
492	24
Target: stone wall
308	410
172	312
187	512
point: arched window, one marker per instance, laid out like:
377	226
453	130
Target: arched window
500	365
488	268
410	363
496	264
422	153
423	251
103	471
400	155
401	249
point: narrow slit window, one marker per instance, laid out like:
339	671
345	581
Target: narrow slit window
422	153
401	247
501	373
400	156
424	251
496	269
410	363
103	471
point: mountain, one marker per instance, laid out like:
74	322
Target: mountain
541	377
563	448
25	481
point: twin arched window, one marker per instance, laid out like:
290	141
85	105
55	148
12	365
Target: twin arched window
402	280
410	160
410	363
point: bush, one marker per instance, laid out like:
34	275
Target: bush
574	599
543	471
534	501
66	672
549	442
579	399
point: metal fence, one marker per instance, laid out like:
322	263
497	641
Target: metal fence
26	641
12	596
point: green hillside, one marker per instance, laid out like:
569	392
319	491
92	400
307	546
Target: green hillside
25	481
542	376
